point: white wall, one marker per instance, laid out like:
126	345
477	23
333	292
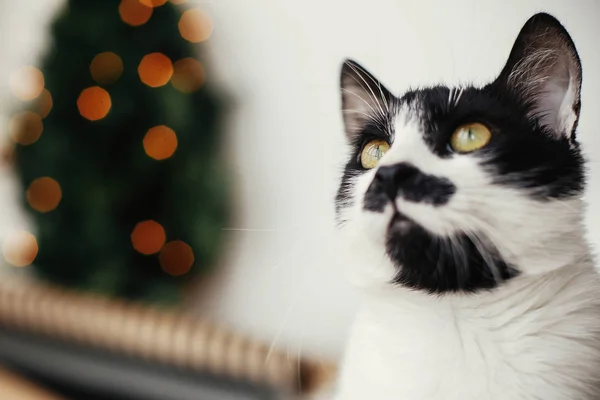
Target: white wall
280	59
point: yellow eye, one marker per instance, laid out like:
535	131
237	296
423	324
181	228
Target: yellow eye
372	153
470	137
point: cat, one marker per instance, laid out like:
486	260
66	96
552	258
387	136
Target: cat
461	212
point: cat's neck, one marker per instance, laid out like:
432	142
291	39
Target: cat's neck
514	294
418	346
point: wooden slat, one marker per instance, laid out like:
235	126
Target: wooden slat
143	332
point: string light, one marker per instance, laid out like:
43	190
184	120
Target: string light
148	237
134	13
176	258
153	3
44	103
94	103
155	69
20	249
195	26
188	75
106	68
27	83
160	142
44	194
25	128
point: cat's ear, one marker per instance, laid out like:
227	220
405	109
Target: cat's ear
544	71
364	99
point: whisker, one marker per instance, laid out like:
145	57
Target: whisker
378	86
369	88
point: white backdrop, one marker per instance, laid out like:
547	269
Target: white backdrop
280	61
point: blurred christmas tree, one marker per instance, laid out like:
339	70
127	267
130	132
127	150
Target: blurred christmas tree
119	153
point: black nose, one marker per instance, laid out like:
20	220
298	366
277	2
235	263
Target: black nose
407	181
392	177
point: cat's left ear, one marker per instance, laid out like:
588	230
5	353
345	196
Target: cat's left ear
544	71
364	99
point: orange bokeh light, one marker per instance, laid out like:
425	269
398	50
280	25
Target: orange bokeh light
134	13
153	3
44	103
44	194
20	249
188	75
94	103
176	258
160	142
27	83
155	69
148	237
195	26
106	68
25	128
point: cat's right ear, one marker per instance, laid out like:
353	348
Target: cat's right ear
544	72
364	99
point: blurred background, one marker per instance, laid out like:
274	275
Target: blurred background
167	176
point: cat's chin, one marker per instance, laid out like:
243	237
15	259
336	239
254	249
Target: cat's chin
400	225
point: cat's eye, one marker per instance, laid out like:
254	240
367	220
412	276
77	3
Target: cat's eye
372	153
470	137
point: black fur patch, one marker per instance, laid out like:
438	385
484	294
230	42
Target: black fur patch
406	181
439	265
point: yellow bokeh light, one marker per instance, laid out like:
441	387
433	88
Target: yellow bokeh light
94	103
148	237
44	103
153	3
195	26
160	142
188	75
20	249
44	194
155	69
25	128
106	68
27	83
176	258
134	13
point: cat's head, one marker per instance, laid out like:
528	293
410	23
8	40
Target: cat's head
461	189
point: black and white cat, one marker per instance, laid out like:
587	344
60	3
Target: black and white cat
462	214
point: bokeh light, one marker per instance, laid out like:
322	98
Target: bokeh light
148	237
153	3
176	258
155	69
20	249
134	13
106	68
25	127
27	83
44	194
188	75
179	1
195	26
160	142
94	103
44	103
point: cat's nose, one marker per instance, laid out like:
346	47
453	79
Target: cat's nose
406	181
392	177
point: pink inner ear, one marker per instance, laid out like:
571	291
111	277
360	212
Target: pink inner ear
553	103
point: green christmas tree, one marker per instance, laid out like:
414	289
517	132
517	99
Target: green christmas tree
125	183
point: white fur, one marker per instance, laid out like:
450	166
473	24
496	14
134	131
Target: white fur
535	337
